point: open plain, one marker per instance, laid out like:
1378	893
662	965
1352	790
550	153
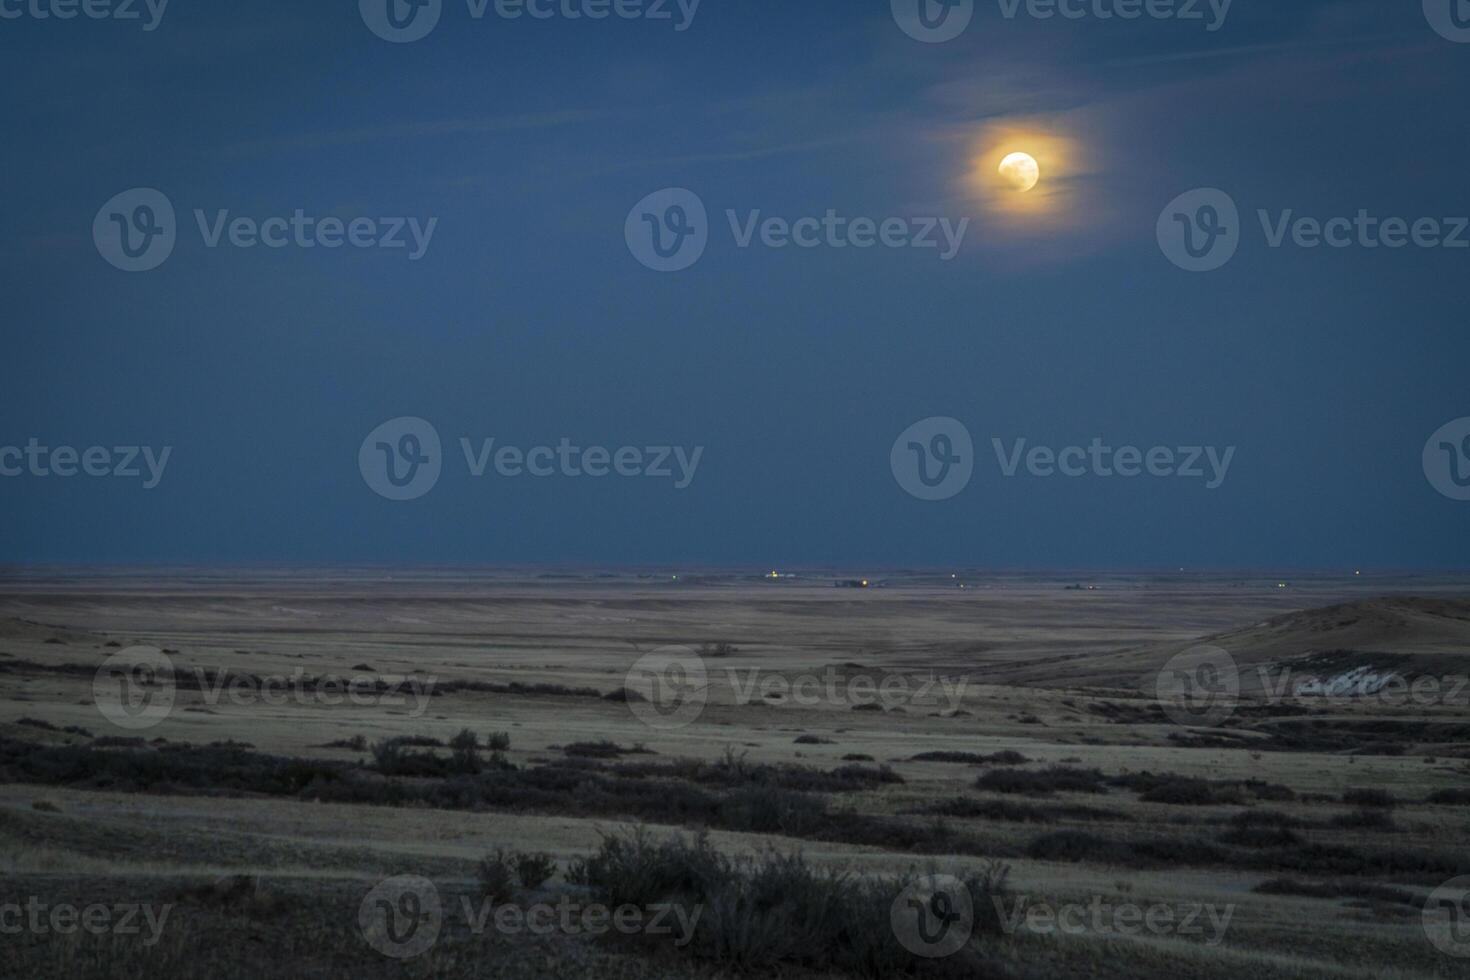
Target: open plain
911	724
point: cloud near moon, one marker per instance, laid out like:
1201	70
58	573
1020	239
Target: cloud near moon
1023	172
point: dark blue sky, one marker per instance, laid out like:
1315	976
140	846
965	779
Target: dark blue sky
529	320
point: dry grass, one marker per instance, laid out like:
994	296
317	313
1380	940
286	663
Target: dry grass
525	659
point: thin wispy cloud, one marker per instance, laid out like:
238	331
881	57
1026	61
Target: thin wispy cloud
400	132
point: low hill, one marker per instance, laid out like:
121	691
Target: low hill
1414	634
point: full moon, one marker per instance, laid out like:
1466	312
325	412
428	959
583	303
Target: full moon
1020	170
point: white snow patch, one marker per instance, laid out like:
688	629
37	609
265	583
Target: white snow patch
1360	682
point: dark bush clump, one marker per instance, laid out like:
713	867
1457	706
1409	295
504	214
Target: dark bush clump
1006	758
1272	792
1366	818
1369	797
498	880
465	749
1076	846
392	758
1190	791
1450	797
1360	890
767	810
867	774
1264	818
1044	782
1261	835
776	911
1012	812
601	749
357	743
119	741
535	689
502	872
1180	791
535	870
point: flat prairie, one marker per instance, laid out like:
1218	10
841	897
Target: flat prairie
1300	818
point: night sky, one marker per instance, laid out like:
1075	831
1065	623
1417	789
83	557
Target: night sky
528	318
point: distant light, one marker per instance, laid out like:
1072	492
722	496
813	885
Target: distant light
1281	585
1020	170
